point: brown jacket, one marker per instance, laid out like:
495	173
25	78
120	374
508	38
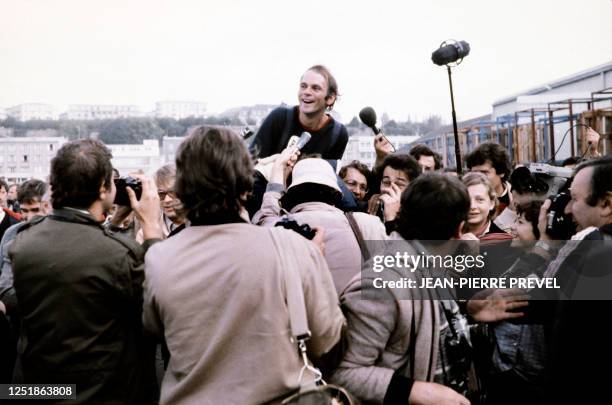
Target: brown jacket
217	295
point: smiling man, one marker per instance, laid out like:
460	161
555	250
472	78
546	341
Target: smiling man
317	94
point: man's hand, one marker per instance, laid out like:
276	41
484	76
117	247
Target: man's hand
283	165
2	308
495	305
391	198
382	146
592	138
543	220
120	215
147	209
319	239
429	393
373	204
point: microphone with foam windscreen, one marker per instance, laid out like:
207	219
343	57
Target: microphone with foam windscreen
450	53
367	115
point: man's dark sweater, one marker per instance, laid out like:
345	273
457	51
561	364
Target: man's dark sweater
271	137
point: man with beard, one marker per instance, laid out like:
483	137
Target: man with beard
79	286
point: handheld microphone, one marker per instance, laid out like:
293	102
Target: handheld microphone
367	115
450	53
304	139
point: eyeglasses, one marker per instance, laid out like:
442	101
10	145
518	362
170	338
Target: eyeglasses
386	182
163	193
353	183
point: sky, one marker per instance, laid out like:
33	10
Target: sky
237	52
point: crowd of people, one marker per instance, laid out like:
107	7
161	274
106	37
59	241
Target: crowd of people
185	295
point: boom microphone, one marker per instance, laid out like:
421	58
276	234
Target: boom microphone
367	115
450	53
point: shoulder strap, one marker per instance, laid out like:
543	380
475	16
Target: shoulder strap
298	319
365	254
336	132
286	134
295	292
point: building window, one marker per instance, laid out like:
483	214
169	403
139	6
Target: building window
25	158
51	147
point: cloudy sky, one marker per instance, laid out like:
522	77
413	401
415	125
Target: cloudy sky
239	52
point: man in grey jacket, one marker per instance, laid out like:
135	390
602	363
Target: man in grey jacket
400	340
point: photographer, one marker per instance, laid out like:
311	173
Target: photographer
312	199
576	339
69	257
215	291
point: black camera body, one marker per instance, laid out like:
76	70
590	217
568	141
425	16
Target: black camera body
122	197
305	230
560	225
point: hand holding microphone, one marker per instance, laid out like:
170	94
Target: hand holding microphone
284	161
382	145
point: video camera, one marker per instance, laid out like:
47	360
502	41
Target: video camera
559	225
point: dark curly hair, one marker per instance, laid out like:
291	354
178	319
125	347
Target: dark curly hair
214	172
78	171
31	191
404	163
531	210
523	182
494	153
432	208
423	150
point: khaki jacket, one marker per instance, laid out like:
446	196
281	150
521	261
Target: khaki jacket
217	295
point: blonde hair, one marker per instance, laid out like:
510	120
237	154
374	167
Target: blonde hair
476	178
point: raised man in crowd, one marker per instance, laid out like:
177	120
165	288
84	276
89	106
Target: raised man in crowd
79	287
317	94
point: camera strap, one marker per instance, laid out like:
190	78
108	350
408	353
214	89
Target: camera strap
365	253
296	306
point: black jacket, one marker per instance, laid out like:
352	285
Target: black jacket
79	289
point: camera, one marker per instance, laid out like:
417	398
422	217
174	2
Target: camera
560	225
122	197
305	230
